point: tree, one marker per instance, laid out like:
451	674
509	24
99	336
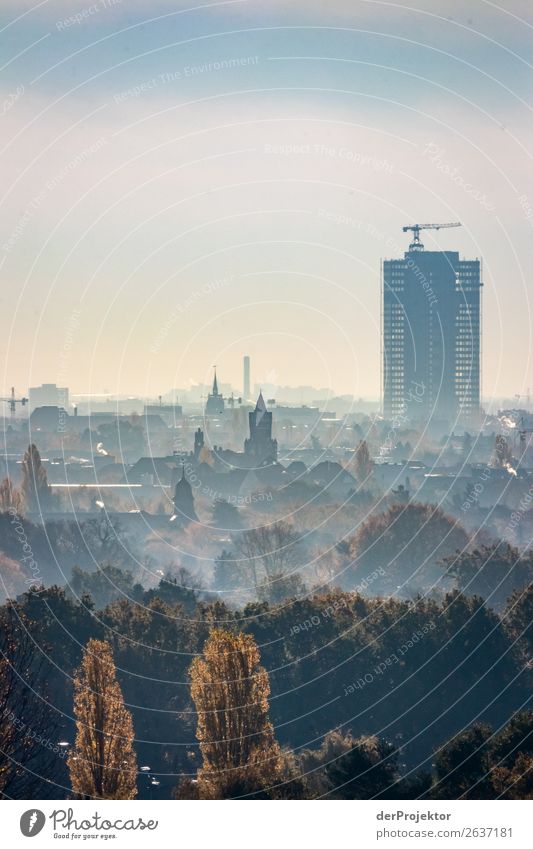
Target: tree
104	585
519	620
516	781
270	552
206	456
102	764
106	540
229	574
10	497
363	463
492	572
503	455
479	765
366	770
230	691
226	515
177	590
512	758
461	766
348	768
406	542
36	492
27	725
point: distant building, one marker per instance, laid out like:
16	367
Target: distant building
48	419
48	395
246	379
215	401
198	442
162	471
431	336
303	414
170	413
183	500
260	447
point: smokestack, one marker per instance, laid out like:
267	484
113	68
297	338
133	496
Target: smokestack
246	379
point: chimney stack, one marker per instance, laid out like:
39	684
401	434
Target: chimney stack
246	379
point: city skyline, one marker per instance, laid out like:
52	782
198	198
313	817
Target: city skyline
190	199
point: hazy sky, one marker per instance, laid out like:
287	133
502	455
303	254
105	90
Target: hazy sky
186	183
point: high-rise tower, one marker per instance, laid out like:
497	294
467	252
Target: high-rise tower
431	336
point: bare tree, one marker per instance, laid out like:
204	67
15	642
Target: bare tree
270	552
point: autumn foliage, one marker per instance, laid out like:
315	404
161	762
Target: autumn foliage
230	690
102	764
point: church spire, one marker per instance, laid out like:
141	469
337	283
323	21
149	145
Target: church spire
260	407
183	500
215	401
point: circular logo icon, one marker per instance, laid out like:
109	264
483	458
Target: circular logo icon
32	822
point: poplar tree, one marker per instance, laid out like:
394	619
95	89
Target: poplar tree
10	497
36	492
230	690
102	764
363	462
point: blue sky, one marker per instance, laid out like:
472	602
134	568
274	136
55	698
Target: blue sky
197	185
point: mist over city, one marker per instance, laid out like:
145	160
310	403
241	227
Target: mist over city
266	474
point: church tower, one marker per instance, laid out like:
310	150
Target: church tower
183	500
260	447
215	401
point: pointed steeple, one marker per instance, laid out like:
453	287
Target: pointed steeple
260	408
260	449
215	401
184	500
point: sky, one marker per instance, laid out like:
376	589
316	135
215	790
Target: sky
185	183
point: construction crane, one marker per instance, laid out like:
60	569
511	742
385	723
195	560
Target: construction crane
232	401
416	244
12	401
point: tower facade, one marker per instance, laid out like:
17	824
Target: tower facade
431	337
260	447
